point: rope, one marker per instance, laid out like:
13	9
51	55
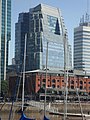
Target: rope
2	106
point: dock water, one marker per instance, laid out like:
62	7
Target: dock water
36	112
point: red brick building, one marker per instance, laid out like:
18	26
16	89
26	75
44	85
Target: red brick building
55	79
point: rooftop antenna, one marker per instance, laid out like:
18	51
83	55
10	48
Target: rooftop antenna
87	6
87	13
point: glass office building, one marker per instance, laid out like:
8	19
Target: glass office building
21	28
82	45
5	35
45	24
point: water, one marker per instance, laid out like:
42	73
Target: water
30	112
33	112
38	116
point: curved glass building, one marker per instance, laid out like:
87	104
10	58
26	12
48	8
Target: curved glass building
43	24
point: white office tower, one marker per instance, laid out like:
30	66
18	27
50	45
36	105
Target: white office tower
82	45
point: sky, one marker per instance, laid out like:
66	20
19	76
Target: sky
72	11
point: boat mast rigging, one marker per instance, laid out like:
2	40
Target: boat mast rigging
24	72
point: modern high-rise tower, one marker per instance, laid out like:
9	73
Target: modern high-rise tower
5	36
82	45
42	24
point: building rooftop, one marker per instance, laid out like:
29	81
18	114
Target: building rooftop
61	72
85	20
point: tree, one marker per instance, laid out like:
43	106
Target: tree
4	87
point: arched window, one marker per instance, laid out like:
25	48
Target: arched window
81	82
72	87
57	80
81	87
58	86
53	81
44	80
72	82
53	86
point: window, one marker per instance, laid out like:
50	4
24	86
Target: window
38	85
48	80
43	85
58	86
72	82
81	87
53	86
72	87
84	87
44	80
81	82
53	81
89	82
62	80
52	23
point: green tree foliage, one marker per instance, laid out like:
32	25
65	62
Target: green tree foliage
4	87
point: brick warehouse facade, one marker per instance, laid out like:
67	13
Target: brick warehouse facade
55	80
37	79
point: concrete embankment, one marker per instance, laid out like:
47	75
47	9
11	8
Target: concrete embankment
71	107
6	107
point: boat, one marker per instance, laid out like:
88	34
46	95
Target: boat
23	116
45	118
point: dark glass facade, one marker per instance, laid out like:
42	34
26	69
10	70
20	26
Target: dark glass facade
21	28
5	35
44	24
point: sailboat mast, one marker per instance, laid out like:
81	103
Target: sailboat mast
65	80
46	80
24	72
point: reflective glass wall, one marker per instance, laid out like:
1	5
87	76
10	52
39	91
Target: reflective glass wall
45	24
5	35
